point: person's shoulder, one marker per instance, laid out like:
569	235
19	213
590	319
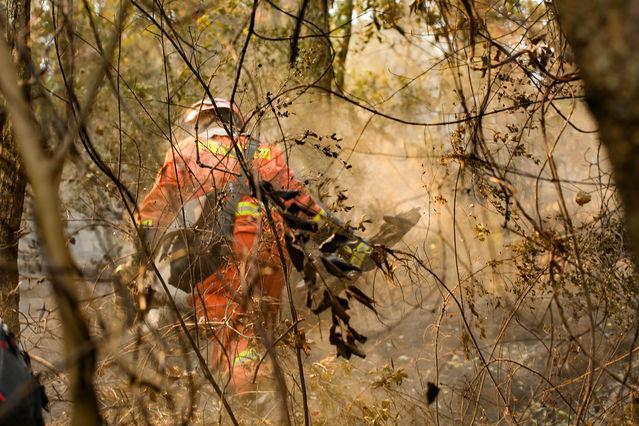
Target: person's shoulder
266	150
184	144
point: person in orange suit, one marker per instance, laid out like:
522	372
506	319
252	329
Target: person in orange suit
239	290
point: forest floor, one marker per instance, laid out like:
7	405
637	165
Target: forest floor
408	347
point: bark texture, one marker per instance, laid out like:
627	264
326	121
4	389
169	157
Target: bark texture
345	22
322	68
12	179
603	35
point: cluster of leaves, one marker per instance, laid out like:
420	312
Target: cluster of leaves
320	143
597	261
335	241
384	15
390	376
346	394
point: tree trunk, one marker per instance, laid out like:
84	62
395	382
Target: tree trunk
80	350
344	21
12	179
605	41
322	69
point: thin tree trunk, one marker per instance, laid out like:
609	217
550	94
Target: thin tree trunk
12	179
323	69
345	20
79	347
603	35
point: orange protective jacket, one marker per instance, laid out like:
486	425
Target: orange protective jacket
192	169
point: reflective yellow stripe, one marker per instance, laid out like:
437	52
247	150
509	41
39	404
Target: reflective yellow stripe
247	205
247	213
215	147
263	152
359	254
320	217
247	208
147	222
246	355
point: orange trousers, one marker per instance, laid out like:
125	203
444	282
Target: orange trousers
241	294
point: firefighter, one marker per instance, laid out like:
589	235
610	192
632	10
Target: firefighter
232	256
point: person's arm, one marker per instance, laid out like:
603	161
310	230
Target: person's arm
161	203
277	172
274	169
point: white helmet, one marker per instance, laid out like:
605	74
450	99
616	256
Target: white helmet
220	107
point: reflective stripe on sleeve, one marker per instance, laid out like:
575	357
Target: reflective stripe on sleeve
147	222
320	217
247	208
